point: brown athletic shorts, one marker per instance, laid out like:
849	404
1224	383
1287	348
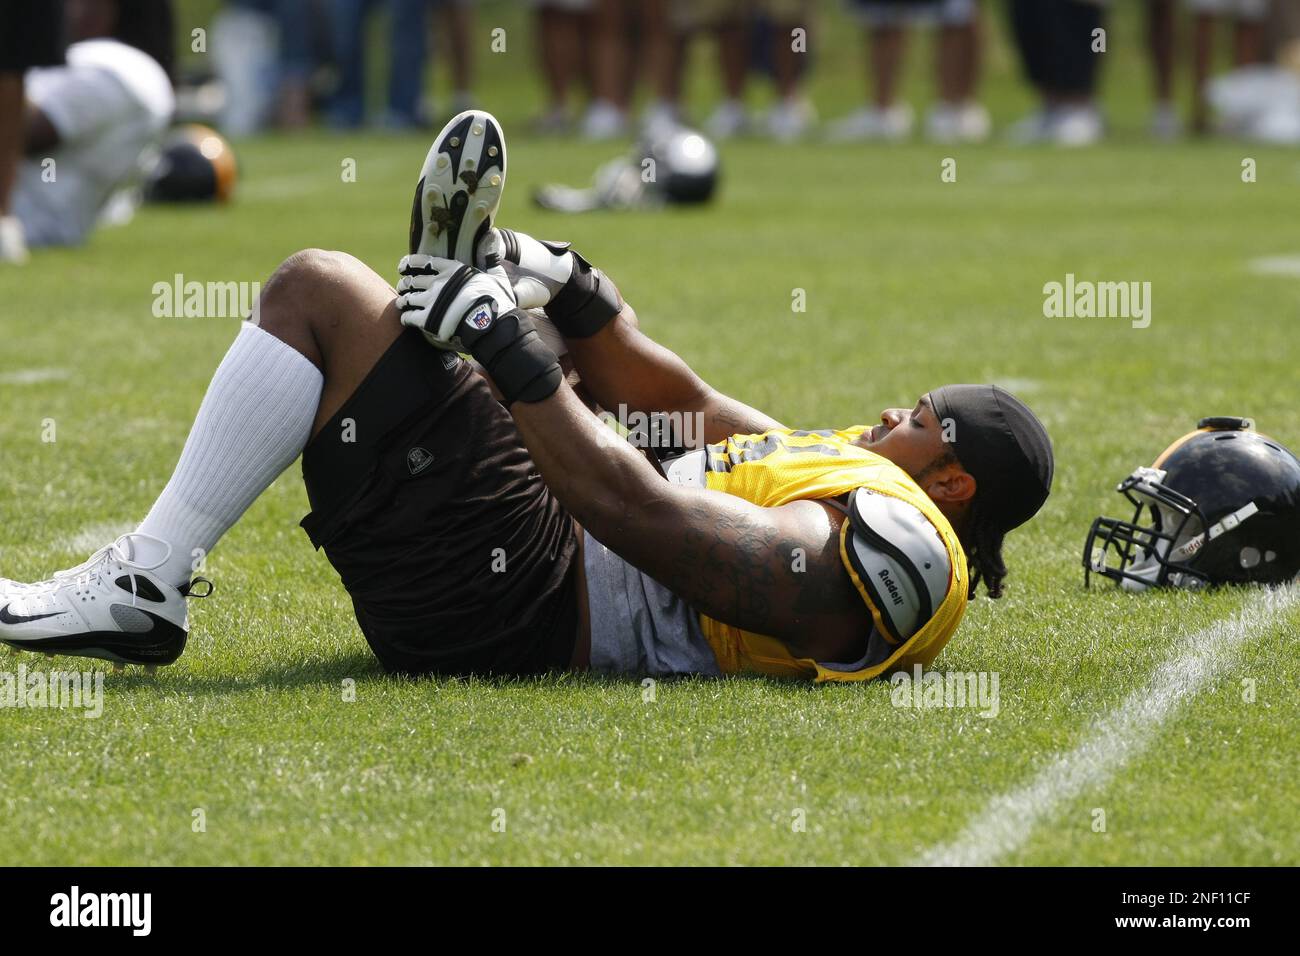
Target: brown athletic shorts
456	556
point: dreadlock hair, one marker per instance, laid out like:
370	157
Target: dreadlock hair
983	543
147	26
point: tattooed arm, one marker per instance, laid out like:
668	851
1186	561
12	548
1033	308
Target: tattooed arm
775	571
620	365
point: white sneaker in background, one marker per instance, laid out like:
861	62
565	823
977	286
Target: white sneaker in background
13	240
1074	126
603	121
791	119
890	125
660	119
728	120
958	123
1034	128
461	101
554	122
1166	125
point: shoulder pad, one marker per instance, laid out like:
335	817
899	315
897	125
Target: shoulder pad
900	560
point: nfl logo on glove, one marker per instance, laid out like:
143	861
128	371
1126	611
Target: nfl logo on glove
482	317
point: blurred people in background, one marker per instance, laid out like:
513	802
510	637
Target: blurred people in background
612	70
1056	40
31	35
1247	19
1259	100
792	115
87	123
562	30
405	57
734	25
1162	44
957	116
262	54
664	48
453	37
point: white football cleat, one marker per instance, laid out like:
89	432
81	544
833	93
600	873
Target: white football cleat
728	120
791	119
958	123
13	240
1166	125
1076	126
873	124
109	608
660	119
460	188
603	121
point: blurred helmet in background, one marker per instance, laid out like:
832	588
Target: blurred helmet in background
678	167
686	166
195	164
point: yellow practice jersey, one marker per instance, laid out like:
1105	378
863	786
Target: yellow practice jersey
784	465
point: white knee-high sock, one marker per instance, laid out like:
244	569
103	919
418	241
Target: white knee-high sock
253	423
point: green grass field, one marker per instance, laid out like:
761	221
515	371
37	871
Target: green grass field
910	283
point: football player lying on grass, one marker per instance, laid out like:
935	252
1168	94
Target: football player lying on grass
511	535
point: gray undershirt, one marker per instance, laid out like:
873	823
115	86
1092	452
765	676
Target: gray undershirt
638	627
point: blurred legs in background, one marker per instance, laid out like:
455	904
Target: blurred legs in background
30	35
264	52
407	49
665	56
606	117
754	36
957	115
1055	39
1162	44
792	115
562	26
348	105
453	37
13	245
884	40
297	60
1248	19
731	33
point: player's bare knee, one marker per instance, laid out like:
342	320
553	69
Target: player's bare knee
296	295
304	274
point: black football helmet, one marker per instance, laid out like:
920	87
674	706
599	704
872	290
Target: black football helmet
687	166
1223	507
686	172
195	164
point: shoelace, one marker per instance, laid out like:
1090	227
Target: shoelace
94	569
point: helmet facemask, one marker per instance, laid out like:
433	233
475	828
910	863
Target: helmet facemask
1157	553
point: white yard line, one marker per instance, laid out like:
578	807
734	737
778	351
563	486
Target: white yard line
1275	266
93	537
34	376
1116	738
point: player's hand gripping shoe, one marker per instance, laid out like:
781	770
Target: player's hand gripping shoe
459	307
110	608
437	296
460	189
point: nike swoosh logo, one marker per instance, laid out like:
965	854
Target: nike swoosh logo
7	618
